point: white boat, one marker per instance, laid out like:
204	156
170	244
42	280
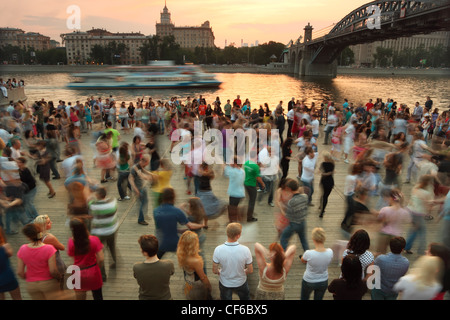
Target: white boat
154	76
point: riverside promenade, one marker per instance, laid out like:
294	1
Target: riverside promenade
121	284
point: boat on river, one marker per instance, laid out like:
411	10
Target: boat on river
157	75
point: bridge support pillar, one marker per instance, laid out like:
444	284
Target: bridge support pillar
316	69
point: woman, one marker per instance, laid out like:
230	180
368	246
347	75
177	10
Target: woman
422	281
36	264
282	196
87	252
213	206
350	286
197	285
123	167
422	196
196	213
104	158
27	177
131	109
137	149
442	251
286	156
302	127
272	275
391	218
162	177
359	245
44	167
336	140
75	121
88	115
45	224
317	260
8	281
326	180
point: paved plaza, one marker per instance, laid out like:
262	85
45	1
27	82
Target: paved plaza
121	284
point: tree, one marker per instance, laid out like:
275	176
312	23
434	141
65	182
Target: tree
347	57
382	56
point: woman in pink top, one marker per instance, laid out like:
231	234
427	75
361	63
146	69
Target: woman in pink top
87	252
392	219
36	264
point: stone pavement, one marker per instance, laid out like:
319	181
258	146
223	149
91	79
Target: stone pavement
121	284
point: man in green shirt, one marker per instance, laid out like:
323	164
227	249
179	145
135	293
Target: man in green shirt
115	136
227	109
252	178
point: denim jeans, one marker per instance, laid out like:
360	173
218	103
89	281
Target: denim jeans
378	294
267	190
319	289
418	230
161	125
327	134
16	214
123	175
310	185
28	200
300	229
143	208
227	293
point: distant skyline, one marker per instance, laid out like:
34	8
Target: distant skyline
232	21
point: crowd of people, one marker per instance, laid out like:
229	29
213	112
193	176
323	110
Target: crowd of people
373	140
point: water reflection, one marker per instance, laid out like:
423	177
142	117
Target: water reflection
260	88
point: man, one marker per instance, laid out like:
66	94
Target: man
104	223
332	122
153	275
237	102
167	218
296	213
252	178
308	167
290	120
429	103
227	109
236	188
161	115
417	112
233	262
392	266
137	177
115	136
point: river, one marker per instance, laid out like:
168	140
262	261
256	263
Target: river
259	89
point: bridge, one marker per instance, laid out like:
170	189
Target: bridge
375	21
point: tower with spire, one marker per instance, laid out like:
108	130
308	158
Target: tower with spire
165	26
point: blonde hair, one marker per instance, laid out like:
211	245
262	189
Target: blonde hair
188	247
426	271
41	222
327	156
234	229
318	235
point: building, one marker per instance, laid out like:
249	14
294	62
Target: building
79	45
186	37
364	52
24	40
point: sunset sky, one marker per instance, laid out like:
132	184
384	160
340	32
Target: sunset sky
231	20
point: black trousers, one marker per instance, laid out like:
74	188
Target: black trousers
325	194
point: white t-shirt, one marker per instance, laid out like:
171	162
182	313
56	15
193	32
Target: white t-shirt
317	266
290	114
308	168
233	258
69	164
350	184
411	291
315	126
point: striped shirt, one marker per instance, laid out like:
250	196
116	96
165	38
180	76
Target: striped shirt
104	221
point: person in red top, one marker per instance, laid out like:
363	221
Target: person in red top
87	252
237	101
202	112
369	105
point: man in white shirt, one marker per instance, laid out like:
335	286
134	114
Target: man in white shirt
233	262
315	126
290	119
308	168
160	114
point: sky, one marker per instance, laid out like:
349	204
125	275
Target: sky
232	21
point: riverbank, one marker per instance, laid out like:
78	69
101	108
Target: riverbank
14	69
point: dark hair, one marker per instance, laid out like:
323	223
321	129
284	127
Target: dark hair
351	270
168	196
359	242
31	231
292	184
397	245
149	244
101	192
441	251
80	236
